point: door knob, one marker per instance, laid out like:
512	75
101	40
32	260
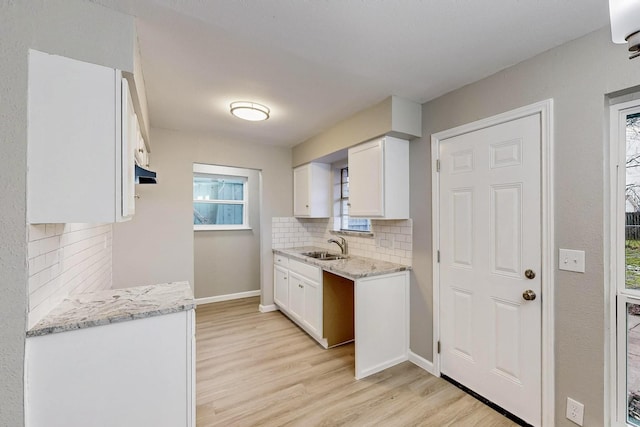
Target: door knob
529	274
529	295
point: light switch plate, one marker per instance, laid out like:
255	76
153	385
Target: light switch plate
571	260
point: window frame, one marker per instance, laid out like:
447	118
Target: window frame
342	199
618	296
217	172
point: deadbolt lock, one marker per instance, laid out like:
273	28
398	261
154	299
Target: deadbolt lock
529	274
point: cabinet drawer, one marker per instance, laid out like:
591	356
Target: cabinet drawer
309	271
281	260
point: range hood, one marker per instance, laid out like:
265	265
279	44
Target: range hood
145	176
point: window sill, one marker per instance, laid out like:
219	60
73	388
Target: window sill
352	233
210	228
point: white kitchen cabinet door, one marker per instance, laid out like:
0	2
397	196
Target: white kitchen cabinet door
130	131
74	150
312	316
366	174
379	179
281	286
296	296
312	191
128	374
381	322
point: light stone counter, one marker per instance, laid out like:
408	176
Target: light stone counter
115	305
353	267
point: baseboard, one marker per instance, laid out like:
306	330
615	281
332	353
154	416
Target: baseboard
267	308
421	362
381	367
228	297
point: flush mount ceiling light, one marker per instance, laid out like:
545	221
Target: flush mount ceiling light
625	24
249	111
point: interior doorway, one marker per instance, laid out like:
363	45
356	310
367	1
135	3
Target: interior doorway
226	222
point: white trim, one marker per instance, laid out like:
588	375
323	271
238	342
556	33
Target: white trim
616	296
545	110
421	362
191	365
227	227
267	308
360	374
224	172
228	297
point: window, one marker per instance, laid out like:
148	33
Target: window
625	279
347	223
220	202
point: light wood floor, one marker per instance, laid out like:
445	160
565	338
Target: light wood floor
259	369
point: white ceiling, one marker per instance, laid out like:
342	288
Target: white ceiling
315	62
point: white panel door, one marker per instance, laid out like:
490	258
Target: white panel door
490	235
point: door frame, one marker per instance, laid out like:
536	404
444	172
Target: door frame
545	110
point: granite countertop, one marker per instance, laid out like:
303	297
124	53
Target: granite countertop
115	305
353	267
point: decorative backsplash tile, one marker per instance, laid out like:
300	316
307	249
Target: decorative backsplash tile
66	259
391	241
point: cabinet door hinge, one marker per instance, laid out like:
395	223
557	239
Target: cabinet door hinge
438	347
438	256
438	165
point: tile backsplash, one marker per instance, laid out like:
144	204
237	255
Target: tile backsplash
391	239
66	259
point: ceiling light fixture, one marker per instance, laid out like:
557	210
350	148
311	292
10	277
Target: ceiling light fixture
625	24
249	111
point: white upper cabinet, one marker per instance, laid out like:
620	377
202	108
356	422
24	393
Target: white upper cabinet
130	144
312	191
80	154
379	179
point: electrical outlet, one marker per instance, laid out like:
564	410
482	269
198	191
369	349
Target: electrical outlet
575	411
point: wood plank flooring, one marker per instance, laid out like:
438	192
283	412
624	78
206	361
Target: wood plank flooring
260	369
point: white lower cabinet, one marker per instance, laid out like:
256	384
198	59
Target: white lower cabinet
313	307
373	311
129	374
381	322
296	296
302	284
281	286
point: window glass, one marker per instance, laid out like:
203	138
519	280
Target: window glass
219	202
633	364
217	213
632	203
347	223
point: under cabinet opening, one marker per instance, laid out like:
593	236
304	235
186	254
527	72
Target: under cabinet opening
338	309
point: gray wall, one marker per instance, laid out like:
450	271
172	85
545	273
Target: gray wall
578	76
228	261
72	28
157	245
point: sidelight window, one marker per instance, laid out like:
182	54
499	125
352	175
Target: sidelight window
625	283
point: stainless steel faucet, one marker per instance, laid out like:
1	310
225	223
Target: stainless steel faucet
344	247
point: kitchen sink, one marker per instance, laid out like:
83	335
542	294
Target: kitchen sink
324	256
